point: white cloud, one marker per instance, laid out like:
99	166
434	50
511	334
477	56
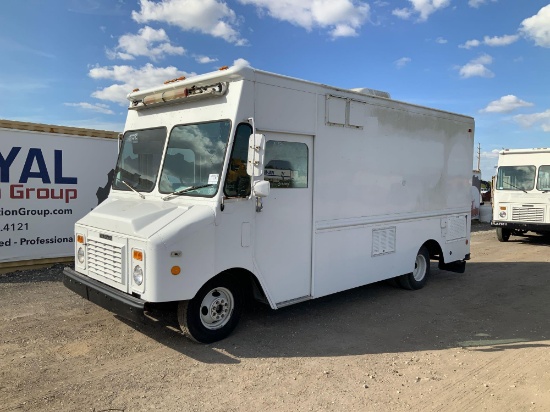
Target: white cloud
211	17
341	17
500	41
402	62
205	59
476	67
441	40
477	3
97	107
343	30
149	42
404	14
537	27
423	7
470	44
505	104
495	41
241	63
128	78
529	120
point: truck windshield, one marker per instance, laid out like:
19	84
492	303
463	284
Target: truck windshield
194	159
139	159
516	178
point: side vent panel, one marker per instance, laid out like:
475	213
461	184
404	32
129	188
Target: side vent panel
383	241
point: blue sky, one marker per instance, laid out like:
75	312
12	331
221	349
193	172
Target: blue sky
72	62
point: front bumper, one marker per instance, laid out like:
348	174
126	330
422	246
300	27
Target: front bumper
532	227
120	303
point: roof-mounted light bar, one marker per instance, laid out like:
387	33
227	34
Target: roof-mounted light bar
180	95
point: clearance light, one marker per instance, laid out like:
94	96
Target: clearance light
176	270
179	79
137	255
223	68
80	238
503	208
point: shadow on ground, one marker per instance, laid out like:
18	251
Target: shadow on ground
492	307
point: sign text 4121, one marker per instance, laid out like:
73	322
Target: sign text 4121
12	227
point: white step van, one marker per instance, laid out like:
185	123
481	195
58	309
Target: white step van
521	196
241	183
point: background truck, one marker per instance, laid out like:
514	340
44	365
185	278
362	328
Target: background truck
198	213
521	195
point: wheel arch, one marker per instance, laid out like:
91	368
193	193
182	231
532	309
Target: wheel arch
434	249
251	286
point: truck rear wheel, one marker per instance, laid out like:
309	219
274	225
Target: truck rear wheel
213	313
419	276
503	234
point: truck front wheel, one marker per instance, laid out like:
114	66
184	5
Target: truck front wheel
214	311
503	234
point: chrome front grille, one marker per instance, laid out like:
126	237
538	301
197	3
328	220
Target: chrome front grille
105	259
528	214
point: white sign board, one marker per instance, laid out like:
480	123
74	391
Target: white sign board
47	182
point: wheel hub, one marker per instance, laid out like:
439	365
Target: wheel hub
219	309
216	308
420	266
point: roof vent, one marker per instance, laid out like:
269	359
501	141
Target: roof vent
372	92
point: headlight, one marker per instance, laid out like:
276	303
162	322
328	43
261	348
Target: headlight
80	255
138	275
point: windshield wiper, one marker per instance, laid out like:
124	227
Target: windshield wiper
131	188
187	189
515	187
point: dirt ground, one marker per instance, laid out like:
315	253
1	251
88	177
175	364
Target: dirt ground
471	342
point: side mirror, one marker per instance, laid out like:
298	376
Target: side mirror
261	188
256	150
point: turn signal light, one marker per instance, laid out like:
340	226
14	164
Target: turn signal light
137	255
80	238
176	270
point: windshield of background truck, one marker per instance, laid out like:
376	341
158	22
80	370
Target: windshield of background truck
516	178
194	158
139	159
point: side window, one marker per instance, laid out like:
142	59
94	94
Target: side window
237	182
286	164
543	182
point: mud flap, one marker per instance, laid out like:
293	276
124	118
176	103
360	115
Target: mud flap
458	266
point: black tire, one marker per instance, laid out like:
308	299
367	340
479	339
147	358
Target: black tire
214	311
503	234
418	278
